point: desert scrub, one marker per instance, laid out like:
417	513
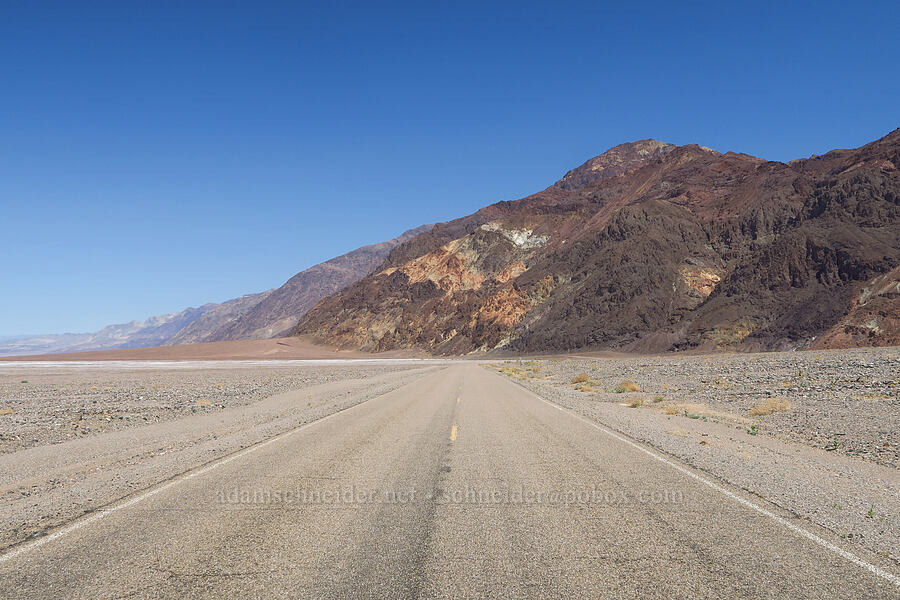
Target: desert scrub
625	386
513	372
769	406
636	403
582	378
586	387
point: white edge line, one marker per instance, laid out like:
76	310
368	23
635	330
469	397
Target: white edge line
78	524
874	569
799	530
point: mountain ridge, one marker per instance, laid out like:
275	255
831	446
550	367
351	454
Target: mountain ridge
671	248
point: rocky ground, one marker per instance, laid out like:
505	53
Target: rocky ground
51	405
845	401
817	433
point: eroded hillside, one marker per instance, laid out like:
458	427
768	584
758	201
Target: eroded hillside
647	247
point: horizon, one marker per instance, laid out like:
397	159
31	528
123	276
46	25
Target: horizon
167	158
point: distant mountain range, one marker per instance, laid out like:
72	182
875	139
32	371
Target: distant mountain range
649	247
152	332
267	314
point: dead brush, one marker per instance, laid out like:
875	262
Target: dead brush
769	406
625	386
514	372
581	378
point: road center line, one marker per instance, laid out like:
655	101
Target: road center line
874	569
453	433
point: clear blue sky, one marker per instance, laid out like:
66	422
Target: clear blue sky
159	155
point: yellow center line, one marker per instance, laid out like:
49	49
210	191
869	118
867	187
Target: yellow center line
457	399
453	433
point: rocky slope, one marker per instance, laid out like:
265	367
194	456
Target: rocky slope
278	311
647	247
872	319
220	315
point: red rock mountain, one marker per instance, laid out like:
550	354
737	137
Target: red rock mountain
649	247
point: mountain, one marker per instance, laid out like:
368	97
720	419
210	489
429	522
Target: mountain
23	345
135	334
648	247
278	311
873	318
254	316
215	318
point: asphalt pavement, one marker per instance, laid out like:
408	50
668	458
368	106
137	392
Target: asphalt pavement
461	484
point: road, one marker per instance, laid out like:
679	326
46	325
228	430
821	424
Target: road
460	484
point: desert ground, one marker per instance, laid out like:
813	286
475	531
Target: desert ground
780	467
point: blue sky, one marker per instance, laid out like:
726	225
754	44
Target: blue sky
155	156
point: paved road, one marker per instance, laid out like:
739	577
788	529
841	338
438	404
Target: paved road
460	484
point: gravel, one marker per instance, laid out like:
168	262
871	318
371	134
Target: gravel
830	457
49	406
844	401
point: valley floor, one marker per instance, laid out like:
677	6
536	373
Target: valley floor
702	476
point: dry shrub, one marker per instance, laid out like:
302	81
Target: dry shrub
636	403
626	386
513	372
581	378
769	406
